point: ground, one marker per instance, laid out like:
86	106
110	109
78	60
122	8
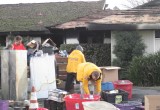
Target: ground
138	93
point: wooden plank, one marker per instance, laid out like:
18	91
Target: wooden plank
5	74
62	59
14	76
62	73
62	67
62	77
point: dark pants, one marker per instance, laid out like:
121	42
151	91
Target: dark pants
70	81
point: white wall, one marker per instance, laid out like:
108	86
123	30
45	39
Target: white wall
112	45
148	37
71	40
72	37
107	40
157	44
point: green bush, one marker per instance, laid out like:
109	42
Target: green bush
145	70
128	45
100	54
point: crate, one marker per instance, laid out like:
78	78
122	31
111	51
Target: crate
129	105
115	97
124	85
74	101
107	86
53	105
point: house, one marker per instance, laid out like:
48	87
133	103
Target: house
145	19
76	31
36	20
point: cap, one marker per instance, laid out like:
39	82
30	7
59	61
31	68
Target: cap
79	47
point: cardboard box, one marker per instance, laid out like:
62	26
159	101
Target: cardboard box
152	102
110	73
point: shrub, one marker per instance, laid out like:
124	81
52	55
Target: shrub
145	70
100	54
128	45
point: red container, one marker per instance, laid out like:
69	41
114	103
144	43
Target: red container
124	85
74	101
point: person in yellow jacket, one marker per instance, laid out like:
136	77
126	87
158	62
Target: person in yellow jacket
89	72
75	57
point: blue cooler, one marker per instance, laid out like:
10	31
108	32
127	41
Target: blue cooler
107	86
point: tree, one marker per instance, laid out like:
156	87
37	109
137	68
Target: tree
128	45
135	3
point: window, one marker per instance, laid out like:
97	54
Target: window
91	37
157	34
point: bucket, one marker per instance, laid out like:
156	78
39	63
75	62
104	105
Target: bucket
4	105
74	101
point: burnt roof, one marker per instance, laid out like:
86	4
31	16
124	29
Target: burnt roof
146	16
37	16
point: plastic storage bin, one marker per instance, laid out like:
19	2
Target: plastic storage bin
98	105
115	97
74	101
107	86
140	108
124	85
129	105
4	105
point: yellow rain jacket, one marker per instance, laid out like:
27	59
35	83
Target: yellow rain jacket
84	71
76	57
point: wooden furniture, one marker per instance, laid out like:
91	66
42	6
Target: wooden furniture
61	63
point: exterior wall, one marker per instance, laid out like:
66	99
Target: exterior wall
148	36
72	38
157	44
107	40
113	43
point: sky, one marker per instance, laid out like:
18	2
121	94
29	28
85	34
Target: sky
112	3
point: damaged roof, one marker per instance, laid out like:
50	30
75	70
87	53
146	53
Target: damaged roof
146	16
37	16
83	21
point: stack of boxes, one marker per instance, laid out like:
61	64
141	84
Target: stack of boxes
117	91
113	89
